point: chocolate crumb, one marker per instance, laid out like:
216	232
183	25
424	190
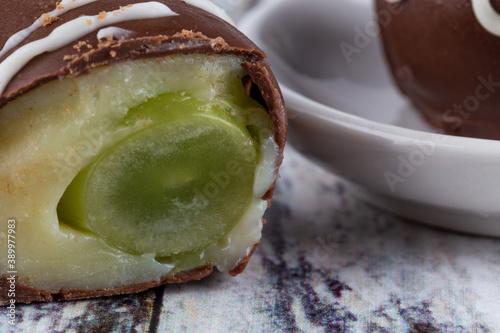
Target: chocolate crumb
79	45
102	16
48	19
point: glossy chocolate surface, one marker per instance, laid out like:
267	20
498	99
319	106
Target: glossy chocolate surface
445	62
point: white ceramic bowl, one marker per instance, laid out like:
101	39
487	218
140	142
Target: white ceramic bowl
346	114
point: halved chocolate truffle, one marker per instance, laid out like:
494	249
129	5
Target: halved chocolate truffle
140	145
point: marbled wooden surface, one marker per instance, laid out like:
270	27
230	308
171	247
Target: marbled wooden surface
327	263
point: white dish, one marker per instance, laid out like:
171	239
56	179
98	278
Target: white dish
348	116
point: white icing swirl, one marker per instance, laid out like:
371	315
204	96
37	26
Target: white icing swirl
77	28
115	32
63	7
67	5
487	16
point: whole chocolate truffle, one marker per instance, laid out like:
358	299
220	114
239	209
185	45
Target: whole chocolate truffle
445	56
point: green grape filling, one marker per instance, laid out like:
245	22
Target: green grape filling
176	185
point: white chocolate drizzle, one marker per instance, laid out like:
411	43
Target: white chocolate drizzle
63	7
487	16
67	5
77	28
114	32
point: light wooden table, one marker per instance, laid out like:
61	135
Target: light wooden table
327	263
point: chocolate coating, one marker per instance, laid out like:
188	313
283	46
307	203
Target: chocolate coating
151	38
28	294
446	63
192	31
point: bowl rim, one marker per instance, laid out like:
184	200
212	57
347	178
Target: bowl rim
298	104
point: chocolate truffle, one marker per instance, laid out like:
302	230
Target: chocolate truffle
140	145
444	56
